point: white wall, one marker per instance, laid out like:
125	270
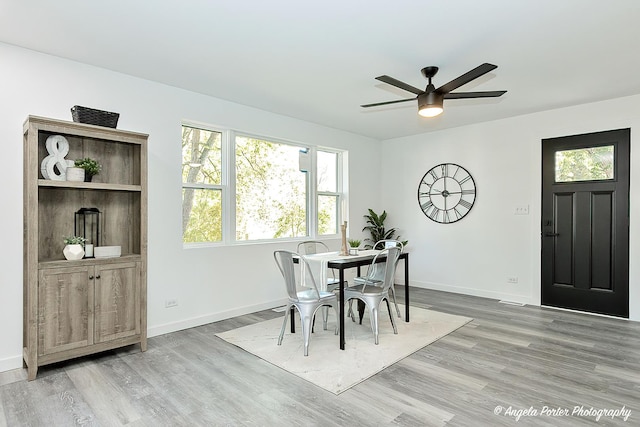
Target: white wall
209	283
477	254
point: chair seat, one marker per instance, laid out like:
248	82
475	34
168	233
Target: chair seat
369	289
369	282
310	295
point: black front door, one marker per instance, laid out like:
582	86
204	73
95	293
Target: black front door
585	222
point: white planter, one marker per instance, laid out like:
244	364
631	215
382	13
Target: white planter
75	174
73	252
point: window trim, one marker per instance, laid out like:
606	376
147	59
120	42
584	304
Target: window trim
339	193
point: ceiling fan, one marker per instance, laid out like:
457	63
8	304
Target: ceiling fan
431	99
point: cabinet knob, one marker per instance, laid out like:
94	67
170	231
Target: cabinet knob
98	276
90	277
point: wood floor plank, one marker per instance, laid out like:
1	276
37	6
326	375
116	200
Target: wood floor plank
509	357
3	419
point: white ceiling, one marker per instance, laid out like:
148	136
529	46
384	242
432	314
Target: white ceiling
316	61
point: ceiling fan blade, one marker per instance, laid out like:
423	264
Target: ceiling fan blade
397	83
463	95
388	102
466	78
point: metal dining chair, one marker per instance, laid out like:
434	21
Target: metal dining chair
310	247
372	292
303	294
377	272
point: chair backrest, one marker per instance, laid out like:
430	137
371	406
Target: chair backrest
384	271
310	247
388	243
376	271
295	278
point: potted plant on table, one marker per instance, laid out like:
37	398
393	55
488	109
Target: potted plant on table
74	247
90	166
377	229
354	244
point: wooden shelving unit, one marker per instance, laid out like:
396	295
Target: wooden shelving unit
75	308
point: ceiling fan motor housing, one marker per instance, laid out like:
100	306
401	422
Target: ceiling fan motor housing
430	99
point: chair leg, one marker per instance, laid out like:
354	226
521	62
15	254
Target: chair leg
373	311
284	325
350	311
389	310
325	317
306	331
393	320
392	290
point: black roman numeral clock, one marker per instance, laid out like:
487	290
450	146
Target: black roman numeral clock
446	193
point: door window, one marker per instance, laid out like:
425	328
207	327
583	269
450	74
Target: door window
585	164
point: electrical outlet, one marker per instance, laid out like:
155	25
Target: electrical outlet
170	303
521	210
512	279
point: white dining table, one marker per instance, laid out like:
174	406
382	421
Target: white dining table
319	264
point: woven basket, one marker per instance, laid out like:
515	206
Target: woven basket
92	116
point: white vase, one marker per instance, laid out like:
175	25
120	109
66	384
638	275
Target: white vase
75	174
73	252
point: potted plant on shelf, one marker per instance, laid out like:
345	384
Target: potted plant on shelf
377	230
90	166
74	247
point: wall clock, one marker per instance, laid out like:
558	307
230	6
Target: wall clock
446	193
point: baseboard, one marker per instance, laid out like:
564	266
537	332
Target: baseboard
10	363
474	292
210	318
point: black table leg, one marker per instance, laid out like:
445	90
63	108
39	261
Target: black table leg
293	320
406	288
341	319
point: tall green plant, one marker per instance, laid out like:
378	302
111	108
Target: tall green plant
377	229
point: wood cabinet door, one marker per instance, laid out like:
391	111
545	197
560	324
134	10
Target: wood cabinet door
117	301
65	307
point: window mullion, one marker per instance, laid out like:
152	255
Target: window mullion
343	185
229	216
312	195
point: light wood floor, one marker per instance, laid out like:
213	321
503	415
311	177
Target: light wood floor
508	357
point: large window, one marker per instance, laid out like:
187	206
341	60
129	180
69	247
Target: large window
328	195
201	185
266	195
271	192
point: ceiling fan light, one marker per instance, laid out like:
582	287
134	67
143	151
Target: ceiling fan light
430	111
430	104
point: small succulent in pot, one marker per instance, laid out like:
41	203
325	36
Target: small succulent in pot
74	240
74	248
90	166
354	243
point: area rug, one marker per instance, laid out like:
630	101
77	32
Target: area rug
335	370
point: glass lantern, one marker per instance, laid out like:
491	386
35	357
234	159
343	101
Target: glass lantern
87	225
